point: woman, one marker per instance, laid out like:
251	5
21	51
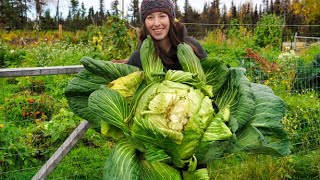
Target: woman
158	18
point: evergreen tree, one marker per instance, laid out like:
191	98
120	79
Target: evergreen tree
56	18
13	14
83	11
114	8
73	17
266	7
247	13
187	11
91	16
177	10
74	8
277	7
47	22
20	12
205	13
194	16
101	10
255	16
224	15
69	17
234	13
287	11
83	20
214	12
271	7
260	10
135	13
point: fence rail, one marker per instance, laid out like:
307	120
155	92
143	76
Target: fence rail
304	41
39	71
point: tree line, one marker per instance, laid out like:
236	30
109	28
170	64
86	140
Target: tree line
14	13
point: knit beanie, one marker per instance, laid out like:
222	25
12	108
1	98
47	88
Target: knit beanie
150	6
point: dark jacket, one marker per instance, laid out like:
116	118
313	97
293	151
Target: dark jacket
172	55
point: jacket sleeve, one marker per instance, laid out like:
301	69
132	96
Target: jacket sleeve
202	52
135	60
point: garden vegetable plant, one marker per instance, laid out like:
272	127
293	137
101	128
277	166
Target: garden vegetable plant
169	124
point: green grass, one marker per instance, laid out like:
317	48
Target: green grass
81	163
249	166
87	163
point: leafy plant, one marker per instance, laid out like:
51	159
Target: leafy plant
268	31
307	76
167	125
115	39
15	149
10	57
23	108
302	120
229	45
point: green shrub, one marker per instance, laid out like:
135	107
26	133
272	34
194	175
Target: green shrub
307	76
24	108
268	31
10	57
302	120
228	46
115	39
56	54
16	151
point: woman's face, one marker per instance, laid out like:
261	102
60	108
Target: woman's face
158	25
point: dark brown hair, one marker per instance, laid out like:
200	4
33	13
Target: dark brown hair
177	34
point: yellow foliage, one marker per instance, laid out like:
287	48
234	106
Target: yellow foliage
309	9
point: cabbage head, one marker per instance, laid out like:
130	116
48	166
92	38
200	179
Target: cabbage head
169	124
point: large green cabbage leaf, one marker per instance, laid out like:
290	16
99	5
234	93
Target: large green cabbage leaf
255	119
189	61
216	73
110	106
124	163
97	73
152	65
264	132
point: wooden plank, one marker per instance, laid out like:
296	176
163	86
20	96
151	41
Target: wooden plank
40	71
63	150
305	37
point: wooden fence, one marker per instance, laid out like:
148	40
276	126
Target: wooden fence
71	141
303	41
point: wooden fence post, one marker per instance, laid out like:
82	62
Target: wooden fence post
295	41
60	31
63	150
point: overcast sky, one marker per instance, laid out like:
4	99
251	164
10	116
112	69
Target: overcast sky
196	4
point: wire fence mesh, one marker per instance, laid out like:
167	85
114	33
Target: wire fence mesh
35	118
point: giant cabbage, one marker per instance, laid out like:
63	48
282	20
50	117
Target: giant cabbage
170	124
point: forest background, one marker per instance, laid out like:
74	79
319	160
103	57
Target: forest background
15	14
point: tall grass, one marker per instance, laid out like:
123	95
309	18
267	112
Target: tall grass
249	166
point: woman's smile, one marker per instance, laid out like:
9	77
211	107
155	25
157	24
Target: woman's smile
158	25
